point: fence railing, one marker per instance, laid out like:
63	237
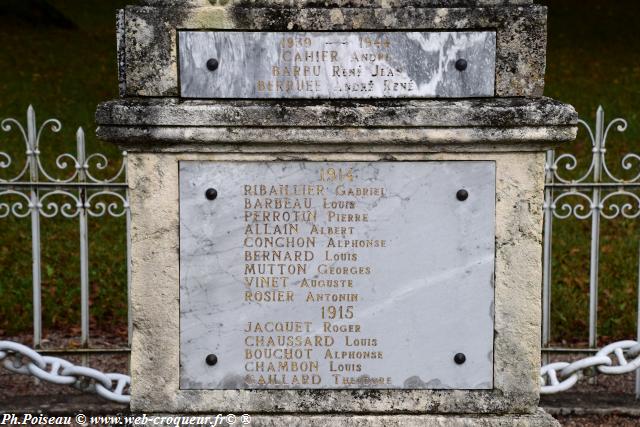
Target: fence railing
596	194
73	191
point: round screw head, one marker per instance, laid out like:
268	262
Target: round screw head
211	193
211	359
459	358
461	64
462	195
212	64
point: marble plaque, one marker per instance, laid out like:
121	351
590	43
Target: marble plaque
337	275
237	64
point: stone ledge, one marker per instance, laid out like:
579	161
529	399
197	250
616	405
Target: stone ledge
335	3
494	124
483	112
538	419
344	140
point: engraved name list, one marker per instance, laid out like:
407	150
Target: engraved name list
334	65
302	245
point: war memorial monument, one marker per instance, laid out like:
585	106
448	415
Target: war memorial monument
336	208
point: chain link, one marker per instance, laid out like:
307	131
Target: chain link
611	359
20	359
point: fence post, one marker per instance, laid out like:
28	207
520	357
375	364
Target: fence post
546	263
595	229
125	160
638	327
34	202
84	240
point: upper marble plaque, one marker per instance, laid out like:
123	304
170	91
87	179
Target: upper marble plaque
336	275
333	65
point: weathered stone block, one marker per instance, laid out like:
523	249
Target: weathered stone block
149	36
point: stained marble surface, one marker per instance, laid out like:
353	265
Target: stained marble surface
428	295
337	64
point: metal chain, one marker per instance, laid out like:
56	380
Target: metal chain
554	377
561	376
20	359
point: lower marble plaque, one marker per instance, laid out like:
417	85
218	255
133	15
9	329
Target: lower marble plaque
336	275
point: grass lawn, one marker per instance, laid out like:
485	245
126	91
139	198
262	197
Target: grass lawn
593	58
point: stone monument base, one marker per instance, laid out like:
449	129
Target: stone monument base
538	419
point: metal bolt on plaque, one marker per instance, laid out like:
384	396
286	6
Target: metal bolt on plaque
462	195
211	194
212	64
461	64
211	359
